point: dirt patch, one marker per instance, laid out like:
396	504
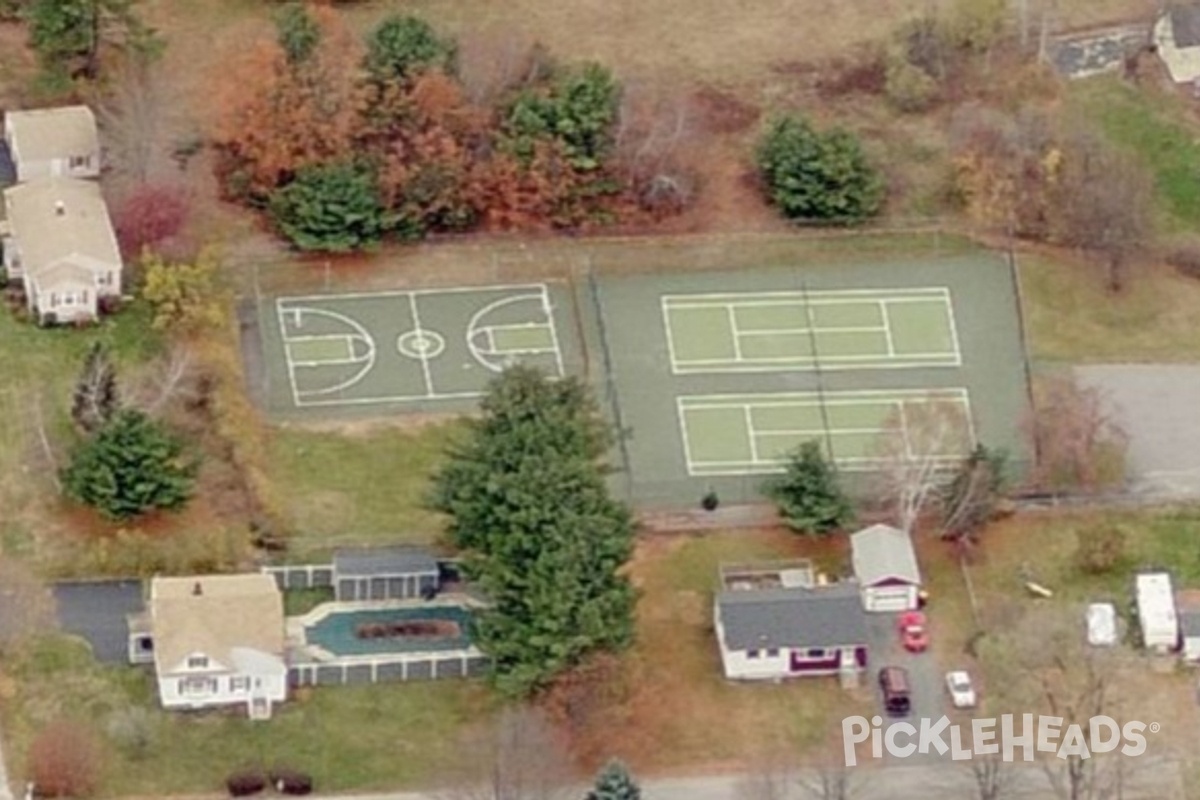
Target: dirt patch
366	427
723	112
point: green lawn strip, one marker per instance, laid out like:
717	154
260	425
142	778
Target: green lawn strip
1072	318
1154	126
297	602
367	488
349	738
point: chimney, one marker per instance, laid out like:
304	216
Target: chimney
60	208
197	590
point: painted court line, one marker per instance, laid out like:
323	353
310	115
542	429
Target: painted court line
425	370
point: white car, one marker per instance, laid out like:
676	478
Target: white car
961	691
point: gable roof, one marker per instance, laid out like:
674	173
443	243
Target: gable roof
367	561
52	219
48	133
1185	25
821	616
881	552
229	615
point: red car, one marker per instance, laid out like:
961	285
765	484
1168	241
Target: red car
913	631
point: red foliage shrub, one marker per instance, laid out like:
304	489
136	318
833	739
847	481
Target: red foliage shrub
245	783
64	761
149	216
291	782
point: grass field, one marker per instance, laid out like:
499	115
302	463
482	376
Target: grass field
359	487
365	737
1072	318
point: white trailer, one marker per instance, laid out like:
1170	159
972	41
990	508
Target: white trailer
1156	612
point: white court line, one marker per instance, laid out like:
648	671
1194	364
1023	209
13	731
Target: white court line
473	328
887	328
548	309
953	328
748	418
733	331
507	287
808	331
362	334
287	358
416	315
666	317
830	398
347	340
901	292
397	398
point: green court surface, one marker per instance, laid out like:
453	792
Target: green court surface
422	349
773	331
755	433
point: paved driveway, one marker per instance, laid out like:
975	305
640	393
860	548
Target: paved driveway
928	696
1157	405
95	611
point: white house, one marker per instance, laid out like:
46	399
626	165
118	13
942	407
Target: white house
775	632
885	565
218	640
53	142
59	241
1156	612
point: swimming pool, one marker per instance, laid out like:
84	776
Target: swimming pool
337	633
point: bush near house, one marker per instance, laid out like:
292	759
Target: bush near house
64	761
245	783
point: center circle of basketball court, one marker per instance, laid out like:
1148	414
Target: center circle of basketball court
421	344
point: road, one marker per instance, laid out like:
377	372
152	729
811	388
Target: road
1151	780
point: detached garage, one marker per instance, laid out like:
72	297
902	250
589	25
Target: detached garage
886	567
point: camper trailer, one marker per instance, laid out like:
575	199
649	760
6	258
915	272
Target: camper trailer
1156	612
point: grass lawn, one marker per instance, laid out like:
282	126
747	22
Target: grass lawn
361	737
1155	126
678	710
1072	318
358	487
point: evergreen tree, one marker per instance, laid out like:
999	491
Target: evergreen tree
615	783
334	208
297	32
401	46
68	34
132	465
545	542
96	397
809	497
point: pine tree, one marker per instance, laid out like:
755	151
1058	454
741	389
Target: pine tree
529	505
96	397
131	465
808	495
614	782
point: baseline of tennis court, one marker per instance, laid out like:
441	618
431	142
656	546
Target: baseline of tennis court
755	433
796	330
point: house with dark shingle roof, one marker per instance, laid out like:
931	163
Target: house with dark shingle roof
769	632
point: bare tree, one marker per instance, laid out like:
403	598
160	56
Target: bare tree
770	775
1078	441
1104	202
493	61
920	442
652	130
992	776
170	378
831	781
130	111
516	756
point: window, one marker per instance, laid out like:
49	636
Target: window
197	662
751	654
773	652
239	683
77	162
106	278
816	652
53	299
197	686
68	299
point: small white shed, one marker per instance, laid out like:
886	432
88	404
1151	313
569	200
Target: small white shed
886	567
1156	612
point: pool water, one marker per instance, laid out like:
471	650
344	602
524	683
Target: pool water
336	632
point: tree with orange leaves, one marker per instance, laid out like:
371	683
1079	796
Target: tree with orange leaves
280	115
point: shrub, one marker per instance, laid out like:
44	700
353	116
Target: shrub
909	88
64	760
1099	550
290	781
403	45
810	175
149	216
333	208
808	495
245	782
578	109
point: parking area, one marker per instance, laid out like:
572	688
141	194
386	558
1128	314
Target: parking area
96	612
924	673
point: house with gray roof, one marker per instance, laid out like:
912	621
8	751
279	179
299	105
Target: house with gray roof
1177	41
53	142
785	629
58	239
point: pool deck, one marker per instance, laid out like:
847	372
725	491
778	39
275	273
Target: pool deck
301	651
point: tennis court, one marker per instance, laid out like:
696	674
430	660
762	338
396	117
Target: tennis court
420	346
755	434
791	330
